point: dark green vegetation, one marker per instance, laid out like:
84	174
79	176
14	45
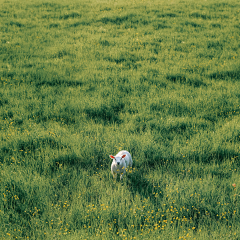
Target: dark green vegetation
84	79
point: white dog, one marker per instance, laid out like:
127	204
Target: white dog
120	163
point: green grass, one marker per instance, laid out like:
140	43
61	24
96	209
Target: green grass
81	80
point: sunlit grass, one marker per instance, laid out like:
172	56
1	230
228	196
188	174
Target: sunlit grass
82	80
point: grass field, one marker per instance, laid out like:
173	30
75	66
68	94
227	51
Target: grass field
81	80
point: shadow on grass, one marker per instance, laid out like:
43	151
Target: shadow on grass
106	114
70	161
194	81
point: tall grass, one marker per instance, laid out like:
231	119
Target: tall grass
84	79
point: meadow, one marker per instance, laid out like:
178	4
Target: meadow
83	79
